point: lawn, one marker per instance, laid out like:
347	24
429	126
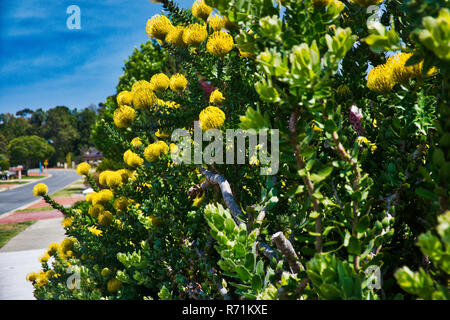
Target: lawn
9	230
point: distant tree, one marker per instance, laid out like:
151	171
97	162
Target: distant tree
61	128
4	162
29	150
85	121
24	112
3	144
12	127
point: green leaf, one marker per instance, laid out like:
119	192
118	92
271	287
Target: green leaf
353	246
321	175
250	260
243	273
427	194
256	283
260	268
363	224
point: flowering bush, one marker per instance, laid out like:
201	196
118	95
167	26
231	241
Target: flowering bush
360	198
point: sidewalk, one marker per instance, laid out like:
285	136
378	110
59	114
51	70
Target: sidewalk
19	256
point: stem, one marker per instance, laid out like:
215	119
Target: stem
301	164
287	250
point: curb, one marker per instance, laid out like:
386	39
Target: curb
24	184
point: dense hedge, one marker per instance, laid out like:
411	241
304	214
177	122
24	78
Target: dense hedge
358	208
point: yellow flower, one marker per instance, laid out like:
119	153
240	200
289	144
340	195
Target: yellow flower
158	27
95	210
67	222
140	84
219	43
374	123
173	148
132	159
105	218
95	231
175	36
178	82
114	285
316	127
53	248
154	150
121	203
161	135
66	248
380	79
366	141
201	10
40	190
245	54
124	116
401	73
366	3
136	142
216	97
89	197
32	276
126	174
216	22
114	179
211	118
102	177
124	98
194	34
83	168
159	82
44	258
143	98
42	279
104	196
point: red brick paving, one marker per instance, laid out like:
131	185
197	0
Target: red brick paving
8	185
33	215
39	215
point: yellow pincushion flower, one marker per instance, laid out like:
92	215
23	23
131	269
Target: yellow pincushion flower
67	222
32	276
400	72
95	210
53	248
105	218
83	168
158	27
114	179
136	142
143	98
216	97
40	190
175	36
124	116
124	98
121	203
44	258
140	84
211	118
102	177
178	82
366	3
194	34
126	174
216	22
220	43
173	148
154	150
369	143
159	82
105	195
132	159
114	285
89	197
42	279
380	79
201	10
95	231
66	248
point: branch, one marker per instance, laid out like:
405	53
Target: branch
214	178
301	164
267	251
287	250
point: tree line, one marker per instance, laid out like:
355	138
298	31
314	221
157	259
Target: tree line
30	136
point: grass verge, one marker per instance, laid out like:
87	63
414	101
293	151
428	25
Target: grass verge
9	230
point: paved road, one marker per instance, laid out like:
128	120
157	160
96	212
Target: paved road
18	197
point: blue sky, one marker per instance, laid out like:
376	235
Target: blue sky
44	64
